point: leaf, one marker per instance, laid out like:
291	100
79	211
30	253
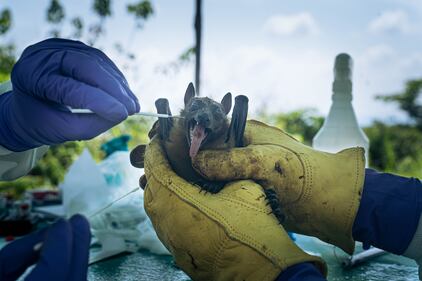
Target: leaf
78	26
141	10
102	8
7	60
55	13
409	100
5	21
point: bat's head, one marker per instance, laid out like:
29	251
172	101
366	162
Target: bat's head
204	119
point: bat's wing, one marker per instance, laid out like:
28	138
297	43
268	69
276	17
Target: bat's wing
143	182
238	122
154	130
137	156
165	124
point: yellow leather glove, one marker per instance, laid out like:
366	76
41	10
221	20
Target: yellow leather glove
319	192
225	236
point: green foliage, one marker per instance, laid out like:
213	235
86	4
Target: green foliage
187	55
7	51
102	8
409	100
395	148
185	58
52	167
55	13
381	150
5	21
7	60
17	187
136	127
398	148
141	10
78	26
302	124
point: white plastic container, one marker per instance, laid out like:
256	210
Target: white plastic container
341	129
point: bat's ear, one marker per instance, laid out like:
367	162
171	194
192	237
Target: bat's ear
227	103
190	93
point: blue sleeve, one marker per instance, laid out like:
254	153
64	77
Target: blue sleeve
389	211
301	272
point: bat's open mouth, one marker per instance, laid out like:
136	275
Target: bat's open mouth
197	135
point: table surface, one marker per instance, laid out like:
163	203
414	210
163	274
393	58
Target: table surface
145	266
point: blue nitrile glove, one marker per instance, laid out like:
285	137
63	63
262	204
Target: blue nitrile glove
63	256
56	73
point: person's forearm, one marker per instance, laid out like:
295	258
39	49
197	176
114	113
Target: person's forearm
301	272
16	164
389	212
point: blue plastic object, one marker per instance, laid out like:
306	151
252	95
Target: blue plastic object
292	236
116	144
54	74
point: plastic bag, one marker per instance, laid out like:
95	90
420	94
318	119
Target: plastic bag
123	227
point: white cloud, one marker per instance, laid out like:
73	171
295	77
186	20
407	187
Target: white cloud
412	4
390	21
295	24
279	79
378	53
275	79
380	70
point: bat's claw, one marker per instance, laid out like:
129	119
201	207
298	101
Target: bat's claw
272	200
211	186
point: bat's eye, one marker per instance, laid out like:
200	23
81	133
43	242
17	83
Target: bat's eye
195	105
217	109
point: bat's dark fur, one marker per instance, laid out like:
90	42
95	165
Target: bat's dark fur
178	134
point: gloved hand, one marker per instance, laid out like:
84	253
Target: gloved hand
224	236
63	256
56	73
319	192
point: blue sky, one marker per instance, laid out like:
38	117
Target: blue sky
279	53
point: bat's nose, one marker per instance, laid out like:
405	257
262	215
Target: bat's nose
203	119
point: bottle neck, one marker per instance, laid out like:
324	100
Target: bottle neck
342	91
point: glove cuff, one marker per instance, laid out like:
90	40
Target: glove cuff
13	135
